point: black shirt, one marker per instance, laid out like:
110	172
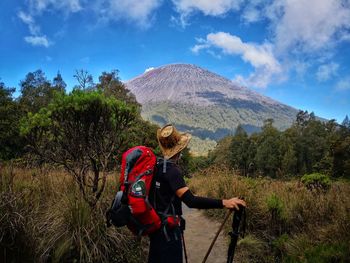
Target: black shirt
164	186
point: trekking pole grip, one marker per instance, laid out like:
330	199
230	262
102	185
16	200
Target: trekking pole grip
217	234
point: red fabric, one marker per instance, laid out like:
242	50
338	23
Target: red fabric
140	209
173	222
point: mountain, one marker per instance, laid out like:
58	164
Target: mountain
205	104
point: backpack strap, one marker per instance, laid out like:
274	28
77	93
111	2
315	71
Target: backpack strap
164	217
169	210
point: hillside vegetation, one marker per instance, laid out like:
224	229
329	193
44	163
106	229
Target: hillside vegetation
308	146
211	123
204	103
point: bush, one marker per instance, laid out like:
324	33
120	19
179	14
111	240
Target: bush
80	132
275	206
316	181
319	253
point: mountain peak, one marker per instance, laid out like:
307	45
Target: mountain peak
188	82
203	103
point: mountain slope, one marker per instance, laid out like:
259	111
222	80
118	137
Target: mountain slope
204	103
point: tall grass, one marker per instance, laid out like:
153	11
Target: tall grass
44	219
286	221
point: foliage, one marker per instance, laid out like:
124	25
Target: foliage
275	205
309	146
37	91
285	220
111	86
219	155
320	253
268	155
10	141
239	156
80	132
198	163
211	123
316	181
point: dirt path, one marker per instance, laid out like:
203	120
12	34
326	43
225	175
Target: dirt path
199	234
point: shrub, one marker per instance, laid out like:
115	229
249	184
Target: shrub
318	253
275	206
80	132
316	181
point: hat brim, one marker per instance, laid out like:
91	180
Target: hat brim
182	144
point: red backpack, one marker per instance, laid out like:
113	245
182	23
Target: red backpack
131	206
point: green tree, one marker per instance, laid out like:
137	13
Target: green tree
253	146
239	151
341	151
111	85
268	158
37	92
312	146
219	155
80	132
10	140
346	122
58	82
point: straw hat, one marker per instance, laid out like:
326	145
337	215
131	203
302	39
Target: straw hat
171	141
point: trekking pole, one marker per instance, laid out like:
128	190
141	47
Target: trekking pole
236	231
183	242
217	234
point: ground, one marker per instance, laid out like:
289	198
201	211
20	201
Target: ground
199	233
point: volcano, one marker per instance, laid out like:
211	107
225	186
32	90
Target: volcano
205	104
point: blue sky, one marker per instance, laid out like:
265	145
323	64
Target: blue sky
295	51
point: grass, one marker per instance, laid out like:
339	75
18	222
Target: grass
44	219
287	222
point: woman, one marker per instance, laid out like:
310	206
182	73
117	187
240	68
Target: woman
167	194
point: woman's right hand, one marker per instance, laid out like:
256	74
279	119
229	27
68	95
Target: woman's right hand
233	203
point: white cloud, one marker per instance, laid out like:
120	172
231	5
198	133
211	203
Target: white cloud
38	41
251	15
208	7
327	71
29	20
36	38
343	84
148	69
260	57
67	6
302	35
308	26
140	12
253	11
37	7
196	48
297	24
